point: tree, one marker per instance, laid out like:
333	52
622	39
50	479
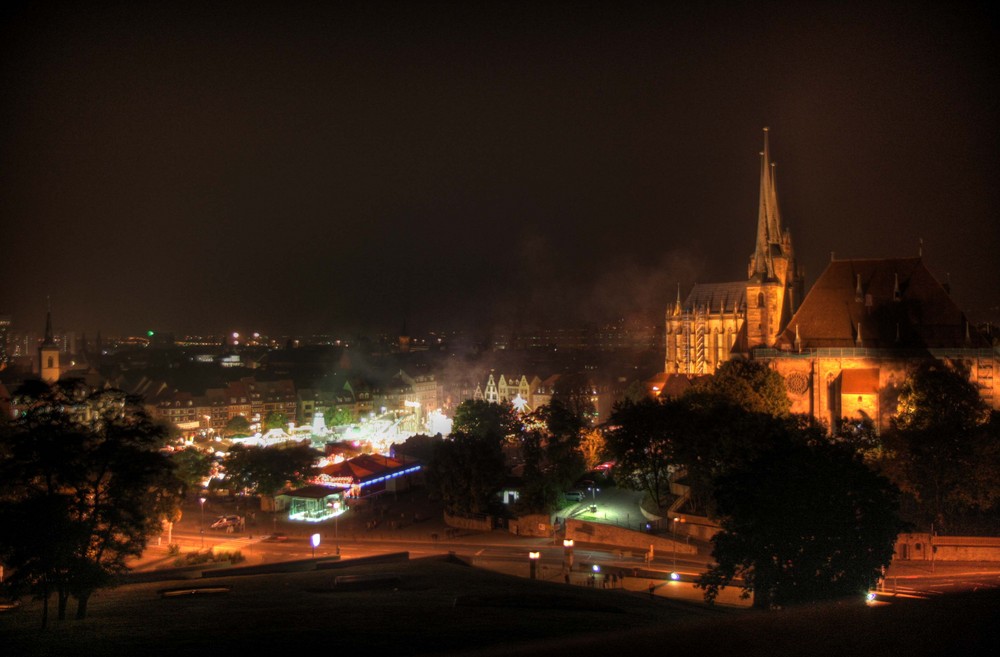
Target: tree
267	470
467	470
593	447
750	384
942	446
238	426
640	441
85	485
275	420
540	483
712	434
803	521
192	467
337	416
420	446
572	405
482	419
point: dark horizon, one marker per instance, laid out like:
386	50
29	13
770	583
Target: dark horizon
306	169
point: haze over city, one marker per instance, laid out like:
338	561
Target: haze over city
303	168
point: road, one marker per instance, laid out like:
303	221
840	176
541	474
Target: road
398	530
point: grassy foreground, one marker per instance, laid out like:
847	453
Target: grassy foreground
434	606
437	606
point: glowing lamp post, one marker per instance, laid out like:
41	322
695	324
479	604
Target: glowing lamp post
673	527
202	500
533	560
314	540
336	525
568	550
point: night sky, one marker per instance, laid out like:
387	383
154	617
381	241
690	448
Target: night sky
298	168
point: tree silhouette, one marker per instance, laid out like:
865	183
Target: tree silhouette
803	521
85	485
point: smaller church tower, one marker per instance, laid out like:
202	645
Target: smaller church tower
48	353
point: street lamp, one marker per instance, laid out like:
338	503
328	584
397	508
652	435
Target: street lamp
533	560
568	549
202	500
673	528
336	525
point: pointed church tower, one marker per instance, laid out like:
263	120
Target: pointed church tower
773	277
48	353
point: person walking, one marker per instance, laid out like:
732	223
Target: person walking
652	590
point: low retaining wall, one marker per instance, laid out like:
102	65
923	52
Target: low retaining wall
533	525
927	547
593	532
481	523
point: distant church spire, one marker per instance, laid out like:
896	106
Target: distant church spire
48	322
48	352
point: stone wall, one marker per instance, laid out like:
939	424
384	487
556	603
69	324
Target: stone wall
531	525
594	532
927	547
482	523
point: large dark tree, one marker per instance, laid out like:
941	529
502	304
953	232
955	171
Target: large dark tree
482	419
572	405
551	457
749	384
468	469
192	466
803	521
267	470
640	438
711	434
943	446
84	486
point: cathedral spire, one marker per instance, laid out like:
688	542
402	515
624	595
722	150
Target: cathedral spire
768	220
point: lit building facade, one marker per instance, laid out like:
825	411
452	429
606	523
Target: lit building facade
843	349
862	329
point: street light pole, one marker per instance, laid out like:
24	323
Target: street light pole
336	526
202	500
673	527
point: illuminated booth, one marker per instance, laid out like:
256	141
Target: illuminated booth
314	503
369	475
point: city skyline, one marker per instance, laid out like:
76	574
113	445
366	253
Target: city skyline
305	170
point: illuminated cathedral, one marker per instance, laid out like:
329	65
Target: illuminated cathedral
845	347
718	319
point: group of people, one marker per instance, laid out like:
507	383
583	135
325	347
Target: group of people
607	580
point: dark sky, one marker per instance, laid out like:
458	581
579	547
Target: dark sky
296	168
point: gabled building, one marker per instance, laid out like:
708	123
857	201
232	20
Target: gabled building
863	327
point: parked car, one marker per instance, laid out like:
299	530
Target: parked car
574	495
224	522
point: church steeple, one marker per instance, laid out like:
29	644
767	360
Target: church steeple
773	277
49	340
768	220
48	353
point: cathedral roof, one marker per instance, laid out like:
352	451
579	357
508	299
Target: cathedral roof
713	296
892	303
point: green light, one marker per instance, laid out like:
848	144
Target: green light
149	334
